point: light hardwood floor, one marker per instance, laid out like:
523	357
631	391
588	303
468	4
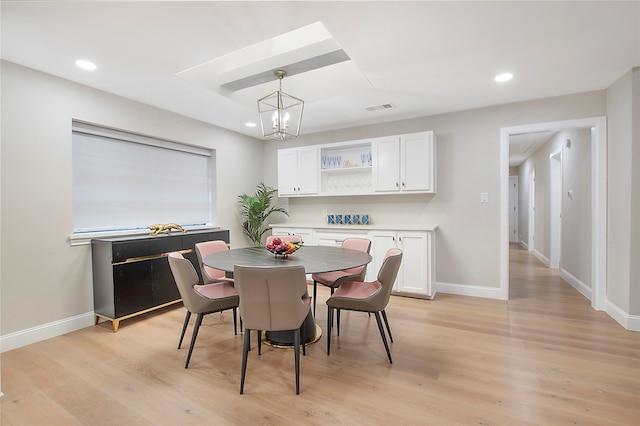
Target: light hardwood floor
542	358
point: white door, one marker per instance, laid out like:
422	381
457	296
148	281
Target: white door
532	208
513	209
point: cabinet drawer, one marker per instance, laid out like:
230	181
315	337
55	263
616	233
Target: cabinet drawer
337	238
146	247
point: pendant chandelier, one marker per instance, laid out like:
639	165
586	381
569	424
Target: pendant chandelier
280	113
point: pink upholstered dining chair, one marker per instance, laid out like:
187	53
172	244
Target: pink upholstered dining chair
371	297
272	299
200	299
334	279
204	249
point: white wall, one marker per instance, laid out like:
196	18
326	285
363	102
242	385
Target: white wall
623	201
576	207
468	163
44	280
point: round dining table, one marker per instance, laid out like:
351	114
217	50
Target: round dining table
315	259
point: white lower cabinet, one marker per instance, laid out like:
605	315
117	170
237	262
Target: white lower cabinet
417	273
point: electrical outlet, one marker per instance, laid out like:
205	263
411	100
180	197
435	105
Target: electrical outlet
484	197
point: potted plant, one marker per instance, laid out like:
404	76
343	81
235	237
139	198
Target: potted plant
255	209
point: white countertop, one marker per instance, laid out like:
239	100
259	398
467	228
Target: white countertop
372	227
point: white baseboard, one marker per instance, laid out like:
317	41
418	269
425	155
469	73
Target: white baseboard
469	290
630	322
45	331
541	257
584	289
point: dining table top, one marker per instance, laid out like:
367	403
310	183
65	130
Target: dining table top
315	259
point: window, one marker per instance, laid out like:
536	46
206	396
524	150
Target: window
126	182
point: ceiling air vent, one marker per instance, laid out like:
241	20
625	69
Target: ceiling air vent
379	107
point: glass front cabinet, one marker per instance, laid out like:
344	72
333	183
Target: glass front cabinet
386	165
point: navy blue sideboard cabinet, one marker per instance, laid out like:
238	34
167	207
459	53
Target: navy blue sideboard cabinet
131	275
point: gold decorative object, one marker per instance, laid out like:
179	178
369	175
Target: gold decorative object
165	228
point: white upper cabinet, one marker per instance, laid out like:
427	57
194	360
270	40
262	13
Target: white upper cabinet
417	162
298	171
393	165
404	163
386	164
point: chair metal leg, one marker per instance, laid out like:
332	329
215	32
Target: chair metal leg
315	296
303	333
259	342
329	321
386	322
193	338
245	354
384	338
235	322
184	327
338	322
296	356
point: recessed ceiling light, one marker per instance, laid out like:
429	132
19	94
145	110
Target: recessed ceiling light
86	65
250	124
501	78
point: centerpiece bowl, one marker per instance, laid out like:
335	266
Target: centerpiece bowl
283	248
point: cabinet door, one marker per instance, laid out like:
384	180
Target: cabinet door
381	242
308	169
413	274
386	164
416	162
287	172
132	287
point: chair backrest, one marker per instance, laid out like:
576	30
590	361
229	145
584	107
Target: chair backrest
203	250
386	277
290	238
360	244
271	298
186	277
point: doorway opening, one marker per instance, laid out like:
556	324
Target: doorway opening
598	201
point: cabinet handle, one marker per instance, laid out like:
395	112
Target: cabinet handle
397	184
298	188
403	184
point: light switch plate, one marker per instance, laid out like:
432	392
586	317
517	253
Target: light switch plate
484	197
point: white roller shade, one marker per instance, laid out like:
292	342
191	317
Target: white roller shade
128	182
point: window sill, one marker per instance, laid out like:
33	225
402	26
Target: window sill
85	238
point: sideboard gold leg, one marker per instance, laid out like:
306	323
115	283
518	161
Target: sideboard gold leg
116	324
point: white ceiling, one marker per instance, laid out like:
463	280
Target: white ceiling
523	145
425	58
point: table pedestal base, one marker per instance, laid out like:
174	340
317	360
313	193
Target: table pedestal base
284	339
